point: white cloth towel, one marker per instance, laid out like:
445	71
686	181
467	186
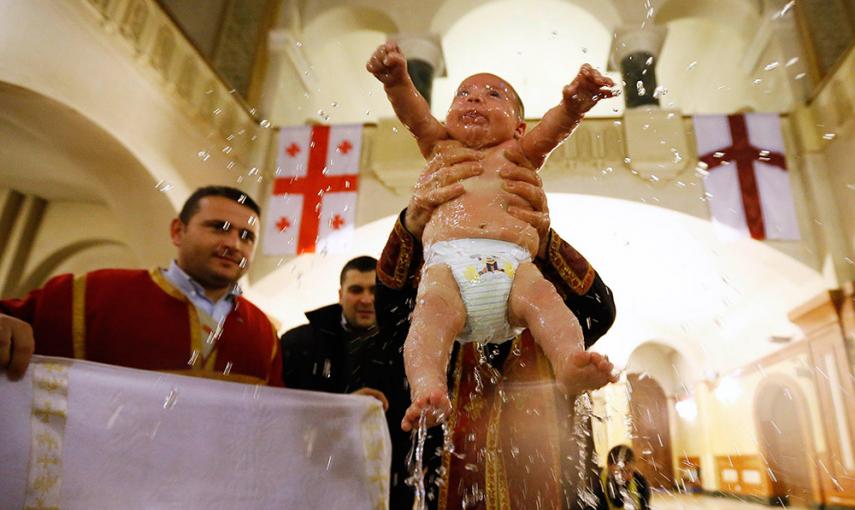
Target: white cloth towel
82	435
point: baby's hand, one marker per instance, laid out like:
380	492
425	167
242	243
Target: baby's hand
435	404
586	90
388	64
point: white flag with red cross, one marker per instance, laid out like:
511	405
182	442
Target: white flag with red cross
313	202
747	183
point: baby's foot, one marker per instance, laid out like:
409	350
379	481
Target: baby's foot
586	371
437	405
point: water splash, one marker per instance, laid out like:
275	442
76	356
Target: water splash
416	463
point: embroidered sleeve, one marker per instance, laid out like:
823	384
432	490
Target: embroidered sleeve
565	267
401	259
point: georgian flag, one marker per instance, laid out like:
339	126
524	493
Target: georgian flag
747	183
313	202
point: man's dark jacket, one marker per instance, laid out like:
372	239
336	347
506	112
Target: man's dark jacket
322	356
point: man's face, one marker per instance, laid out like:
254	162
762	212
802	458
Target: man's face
216	246
622	471
356	297
484	112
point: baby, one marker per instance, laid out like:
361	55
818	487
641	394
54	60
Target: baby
479	283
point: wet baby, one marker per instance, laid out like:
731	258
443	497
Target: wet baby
479	283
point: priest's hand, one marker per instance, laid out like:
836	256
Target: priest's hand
16	346
440	182
371	392
523	181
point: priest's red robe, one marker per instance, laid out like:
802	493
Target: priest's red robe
138	319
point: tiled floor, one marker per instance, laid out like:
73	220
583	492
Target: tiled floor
668	501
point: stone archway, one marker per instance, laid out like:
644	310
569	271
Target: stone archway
651	432
60	155
784	437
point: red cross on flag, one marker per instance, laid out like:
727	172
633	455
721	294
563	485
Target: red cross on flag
313	206
747	184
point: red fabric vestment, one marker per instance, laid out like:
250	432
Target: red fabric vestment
137	319
505	433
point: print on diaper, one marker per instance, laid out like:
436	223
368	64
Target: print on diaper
485	265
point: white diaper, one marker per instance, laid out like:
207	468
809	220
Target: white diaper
484	270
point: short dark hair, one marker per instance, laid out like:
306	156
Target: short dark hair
363	264
192	204
621	454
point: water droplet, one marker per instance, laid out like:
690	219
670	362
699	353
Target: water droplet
169	401
265	123
322	114
800	76
659	91
163	186
772	65
584	49
829	136
204	155
791	62
334	104
692	65
298	44
757	81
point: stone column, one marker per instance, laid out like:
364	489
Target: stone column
424	60
634	51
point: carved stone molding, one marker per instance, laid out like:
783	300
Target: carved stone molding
161	50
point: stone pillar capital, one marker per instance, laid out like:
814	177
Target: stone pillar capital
628	40
424	47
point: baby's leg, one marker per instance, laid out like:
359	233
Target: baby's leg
535	303
438	317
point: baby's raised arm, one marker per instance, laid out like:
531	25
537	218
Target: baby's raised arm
389	66
579	96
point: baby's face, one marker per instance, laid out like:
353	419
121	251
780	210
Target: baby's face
484	112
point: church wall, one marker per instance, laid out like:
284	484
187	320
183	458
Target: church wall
825	129
67	223
838	157
725	430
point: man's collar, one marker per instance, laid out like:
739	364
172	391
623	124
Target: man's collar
190	287
357	333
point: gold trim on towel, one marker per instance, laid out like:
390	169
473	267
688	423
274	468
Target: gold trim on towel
49	412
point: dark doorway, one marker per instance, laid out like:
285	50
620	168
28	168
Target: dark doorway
651	432
782	441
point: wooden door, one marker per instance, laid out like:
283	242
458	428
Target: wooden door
783	440
651	434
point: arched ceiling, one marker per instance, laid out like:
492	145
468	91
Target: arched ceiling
675	282
57	153
52	144
537	45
